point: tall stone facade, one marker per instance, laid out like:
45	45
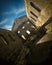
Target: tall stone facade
38	11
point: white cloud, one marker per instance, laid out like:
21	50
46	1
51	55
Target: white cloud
20	10
3	21
15	11
8	27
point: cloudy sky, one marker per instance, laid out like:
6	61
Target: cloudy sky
9	11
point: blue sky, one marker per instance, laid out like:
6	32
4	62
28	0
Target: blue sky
9	11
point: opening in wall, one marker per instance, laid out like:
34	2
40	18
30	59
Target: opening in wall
35	6
33	14
33	18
